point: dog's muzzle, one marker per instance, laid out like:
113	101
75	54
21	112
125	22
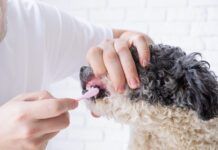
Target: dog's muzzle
88	79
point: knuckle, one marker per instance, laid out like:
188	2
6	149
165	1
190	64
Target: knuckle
32	144
21	117
21	114
100	72
28	132
56	107
121	49
45	94
140	37
92	51
106	41
110	55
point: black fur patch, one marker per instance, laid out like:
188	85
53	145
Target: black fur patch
174	78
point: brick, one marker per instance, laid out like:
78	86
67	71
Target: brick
112	24
204	29
62	5
160	29
81	4
203	3
213	13
80	110
61	135
141	15
167	3
104	146
186	14
65	87
107	15
101	123
188	44
80	14
116	135
126	3
211	43
86	134
211	57
65	145
76	120
125	146
137	26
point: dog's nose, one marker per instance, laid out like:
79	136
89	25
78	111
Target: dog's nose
86	70
83	68
83	73
86	74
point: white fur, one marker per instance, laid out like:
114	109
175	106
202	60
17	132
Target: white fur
157	127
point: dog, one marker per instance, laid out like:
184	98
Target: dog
175	107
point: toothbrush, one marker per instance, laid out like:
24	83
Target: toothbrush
90	93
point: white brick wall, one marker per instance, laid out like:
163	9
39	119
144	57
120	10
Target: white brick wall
190	24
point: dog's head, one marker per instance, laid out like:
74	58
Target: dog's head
172	80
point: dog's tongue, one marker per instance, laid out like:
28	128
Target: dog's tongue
90	93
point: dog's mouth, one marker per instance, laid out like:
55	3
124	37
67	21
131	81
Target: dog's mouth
88	80
97	83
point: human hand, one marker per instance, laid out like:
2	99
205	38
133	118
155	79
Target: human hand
113	57
30	120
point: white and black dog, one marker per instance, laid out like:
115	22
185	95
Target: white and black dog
176	106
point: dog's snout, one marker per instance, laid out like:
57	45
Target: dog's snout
86	74
82	69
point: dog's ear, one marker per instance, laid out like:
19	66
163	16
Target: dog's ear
199	85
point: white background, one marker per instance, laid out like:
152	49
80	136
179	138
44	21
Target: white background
190	24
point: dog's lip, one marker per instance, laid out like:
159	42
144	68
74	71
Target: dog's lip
95	82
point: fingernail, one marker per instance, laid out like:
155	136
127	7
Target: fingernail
74	105
120	89
134	83
94	115
144	63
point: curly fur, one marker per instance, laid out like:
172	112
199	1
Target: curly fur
176	106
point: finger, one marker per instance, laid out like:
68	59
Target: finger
114	67
50	108
142	47
49	136
95	59
42	141
127	62
34	96
52	125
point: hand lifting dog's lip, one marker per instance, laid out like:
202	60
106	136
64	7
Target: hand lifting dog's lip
172	79
88	80
175	107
